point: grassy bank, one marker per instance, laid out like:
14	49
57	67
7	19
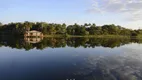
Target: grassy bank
89	36
54	36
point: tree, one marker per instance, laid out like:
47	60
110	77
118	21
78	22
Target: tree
27	25
105	29
98	30
92	30
63	29
69	30
83	31
111	29
125	32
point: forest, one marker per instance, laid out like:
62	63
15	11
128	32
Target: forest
19	28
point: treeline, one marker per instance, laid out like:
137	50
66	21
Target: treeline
63	29
63	42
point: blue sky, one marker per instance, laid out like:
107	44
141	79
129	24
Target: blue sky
73	11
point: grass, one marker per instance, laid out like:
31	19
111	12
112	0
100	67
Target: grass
54	35
89	36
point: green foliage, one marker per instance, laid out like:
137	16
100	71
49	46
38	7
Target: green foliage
125	32
63	29
111	29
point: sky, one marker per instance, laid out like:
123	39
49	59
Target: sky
126	13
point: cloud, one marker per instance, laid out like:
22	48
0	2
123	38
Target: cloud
131	9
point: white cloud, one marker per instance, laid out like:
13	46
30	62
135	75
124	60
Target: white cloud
131	9
134	24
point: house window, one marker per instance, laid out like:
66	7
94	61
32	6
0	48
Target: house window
31	34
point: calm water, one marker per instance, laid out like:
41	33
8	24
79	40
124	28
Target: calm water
70	59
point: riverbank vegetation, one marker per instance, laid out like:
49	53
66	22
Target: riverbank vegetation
76	30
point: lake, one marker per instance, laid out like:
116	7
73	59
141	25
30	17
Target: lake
70	59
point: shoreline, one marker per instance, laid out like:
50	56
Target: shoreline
87	36
81	36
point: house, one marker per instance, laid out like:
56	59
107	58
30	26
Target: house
33	33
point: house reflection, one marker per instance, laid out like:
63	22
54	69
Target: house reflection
33	40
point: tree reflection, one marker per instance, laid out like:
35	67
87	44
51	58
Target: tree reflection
20	43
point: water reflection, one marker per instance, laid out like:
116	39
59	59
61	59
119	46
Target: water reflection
33	40
71	58
40	43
